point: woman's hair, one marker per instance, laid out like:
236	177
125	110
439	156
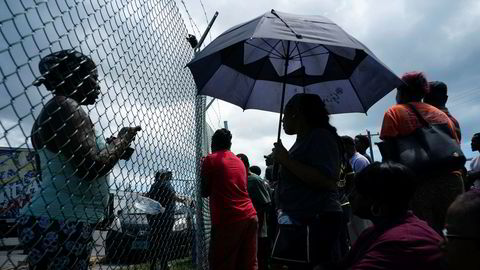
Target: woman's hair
64	68
347	140
313	108
244	159
222	139
389	183
364	140
416	85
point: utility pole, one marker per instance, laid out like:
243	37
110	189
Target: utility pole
370	135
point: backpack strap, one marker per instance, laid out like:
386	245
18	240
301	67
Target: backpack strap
419	116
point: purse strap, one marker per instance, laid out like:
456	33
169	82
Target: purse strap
419	116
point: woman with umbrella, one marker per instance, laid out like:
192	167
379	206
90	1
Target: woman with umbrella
306	193
266	61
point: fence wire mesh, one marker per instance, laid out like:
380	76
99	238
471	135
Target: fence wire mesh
78	189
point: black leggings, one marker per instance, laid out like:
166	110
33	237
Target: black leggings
325	231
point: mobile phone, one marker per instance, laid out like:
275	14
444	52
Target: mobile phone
127	154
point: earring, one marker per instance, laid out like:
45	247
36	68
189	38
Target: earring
375	213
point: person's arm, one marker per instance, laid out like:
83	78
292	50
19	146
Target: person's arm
389	126
453	130
68	130
309	175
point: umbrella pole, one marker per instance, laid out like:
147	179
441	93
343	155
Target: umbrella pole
276	164
283	91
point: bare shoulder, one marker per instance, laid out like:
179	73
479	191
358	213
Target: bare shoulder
65	103
66	114
68	107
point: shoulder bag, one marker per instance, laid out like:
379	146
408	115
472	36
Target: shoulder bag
429	149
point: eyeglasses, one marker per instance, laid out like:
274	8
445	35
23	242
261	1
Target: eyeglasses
459	236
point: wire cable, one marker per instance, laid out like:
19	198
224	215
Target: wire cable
192	22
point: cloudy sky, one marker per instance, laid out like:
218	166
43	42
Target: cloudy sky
140	51
439	38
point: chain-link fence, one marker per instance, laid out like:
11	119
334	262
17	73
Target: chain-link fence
78	189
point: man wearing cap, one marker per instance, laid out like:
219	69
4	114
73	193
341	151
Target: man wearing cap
438	98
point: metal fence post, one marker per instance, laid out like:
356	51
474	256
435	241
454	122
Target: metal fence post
200	136
200	103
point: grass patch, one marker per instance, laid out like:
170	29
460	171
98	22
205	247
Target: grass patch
184	264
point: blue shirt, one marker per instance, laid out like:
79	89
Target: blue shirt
358	162
319	149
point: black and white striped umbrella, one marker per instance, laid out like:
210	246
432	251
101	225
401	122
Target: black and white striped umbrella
262	63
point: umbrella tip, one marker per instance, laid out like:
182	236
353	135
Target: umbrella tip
299	36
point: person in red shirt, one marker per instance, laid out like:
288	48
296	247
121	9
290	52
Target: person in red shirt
436	190
397	240
233	243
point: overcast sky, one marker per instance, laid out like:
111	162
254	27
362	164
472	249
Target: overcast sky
439	38
140	52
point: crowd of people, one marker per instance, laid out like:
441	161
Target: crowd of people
324	203
331	207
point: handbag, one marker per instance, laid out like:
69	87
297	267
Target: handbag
429	149
292	244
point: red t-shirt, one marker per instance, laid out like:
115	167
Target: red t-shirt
410	244
229	200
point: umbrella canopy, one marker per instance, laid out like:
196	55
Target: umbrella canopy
262	63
